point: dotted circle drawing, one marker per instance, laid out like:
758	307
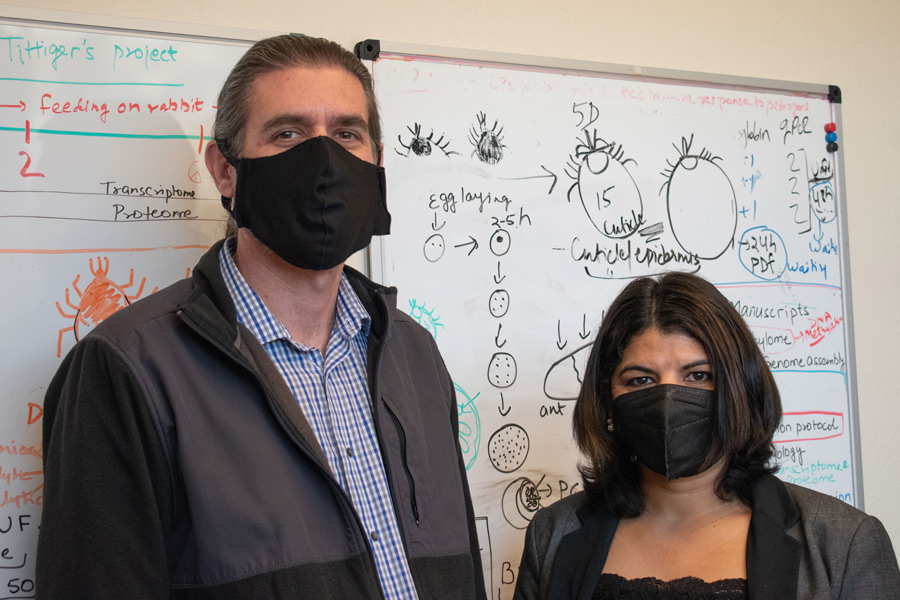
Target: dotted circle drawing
498	303
434	248
508	448
502	370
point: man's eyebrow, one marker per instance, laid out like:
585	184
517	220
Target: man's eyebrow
285	119
351	121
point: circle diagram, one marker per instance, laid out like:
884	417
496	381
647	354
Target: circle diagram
502	370
434	248
500	242
498	303
508	448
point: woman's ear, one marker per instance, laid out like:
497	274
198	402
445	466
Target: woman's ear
223	174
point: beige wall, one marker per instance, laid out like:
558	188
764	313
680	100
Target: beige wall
843	43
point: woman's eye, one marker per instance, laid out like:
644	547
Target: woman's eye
639	381
699	377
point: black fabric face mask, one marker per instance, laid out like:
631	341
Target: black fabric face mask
313	205
667	427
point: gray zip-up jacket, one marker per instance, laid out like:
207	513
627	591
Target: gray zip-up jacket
178	464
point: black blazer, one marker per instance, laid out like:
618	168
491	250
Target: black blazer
802	545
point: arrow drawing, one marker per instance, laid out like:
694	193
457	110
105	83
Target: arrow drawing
559	343
20	106
435	225
585	332
537	486
497	337
472	242
548	172
502	405
498	277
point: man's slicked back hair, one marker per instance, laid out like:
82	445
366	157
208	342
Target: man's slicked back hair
283	52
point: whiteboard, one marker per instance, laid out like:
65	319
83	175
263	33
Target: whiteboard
104	198
526	192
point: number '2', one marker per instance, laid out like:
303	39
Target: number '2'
25	172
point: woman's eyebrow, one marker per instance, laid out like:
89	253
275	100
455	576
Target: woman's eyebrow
697	363
640	368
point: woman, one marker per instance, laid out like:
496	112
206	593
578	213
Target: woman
675	420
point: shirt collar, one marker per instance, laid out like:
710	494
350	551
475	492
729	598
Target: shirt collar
351	318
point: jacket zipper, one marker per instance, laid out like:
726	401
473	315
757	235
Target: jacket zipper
409	477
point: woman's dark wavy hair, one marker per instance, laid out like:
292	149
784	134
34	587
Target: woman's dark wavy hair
748	406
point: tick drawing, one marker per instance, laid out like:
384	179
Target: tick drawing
101	298
469	425
701	202
425	317
604	185
420	145
488	142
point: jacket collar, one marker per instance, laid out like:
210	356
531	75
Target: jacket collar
209	309
581	555
773	556
209	299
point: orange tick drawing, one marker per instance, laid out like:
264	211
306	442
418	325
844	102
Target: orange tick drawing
101	298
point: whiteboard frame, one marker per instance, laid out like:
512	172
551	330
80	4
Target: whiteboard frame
59	19
370	50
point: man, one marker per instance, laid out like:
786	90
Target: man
273	427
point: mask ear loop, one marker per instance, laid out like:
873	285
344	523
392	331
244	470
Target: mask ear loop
227	203
231	159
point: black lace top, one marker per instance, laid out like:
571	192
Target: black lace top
616	587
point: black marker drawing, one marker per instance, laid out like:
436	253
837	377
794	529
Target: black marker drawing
502	370
421	145
482	527
508	448
498	303
500	243
488	143
521	499
607	190
472	242
547	173
564	377
434	248
497	341
701	202
560	344
498	278
820	190
503	409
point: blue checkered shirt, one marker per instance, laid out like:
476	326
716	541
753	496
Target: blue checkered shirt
334	396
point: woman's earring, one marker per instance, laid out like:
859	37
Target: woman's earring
609	425
633	458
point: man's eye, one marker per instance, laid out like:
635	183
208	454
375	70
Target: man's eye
346	135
